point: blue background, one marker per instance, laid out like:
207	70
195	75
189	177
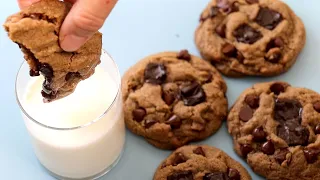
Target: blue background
135	29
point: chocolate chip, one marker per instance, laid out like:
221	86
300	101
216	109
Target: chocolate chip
34	73
268	18
229	50
215	176
201	19
214	11
293	133
232	8
155	73
208	78
240	57
189	88
49	80
245	149
221	30
317	129
287	109
246	113
252	100
192	94
316	106
281	155
72	75
184	54
174	121
233	174
277	42
46	70
311	155
50	96
270	45
168	98
164	165
246	34
181	176
46	86
178	159
199	151
288	113
274	56
259	135
252	1
138	114
227	7
149	122
277	88
268	148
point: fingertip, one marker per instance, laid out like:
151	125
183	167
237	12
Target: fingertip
71	43
85	18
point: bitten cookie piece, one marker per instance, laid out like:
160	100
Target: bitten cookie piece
276	127
173	98
250	37
36	31
200	162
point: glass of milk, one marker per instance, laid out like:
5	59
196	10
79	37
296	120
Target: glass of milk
82	135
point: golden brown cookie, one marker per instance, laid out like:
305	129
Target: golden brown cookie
250	37
173	98
200	162
36	31
276	127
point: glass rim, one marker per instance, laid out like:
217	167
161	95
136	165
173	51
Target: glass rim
75	127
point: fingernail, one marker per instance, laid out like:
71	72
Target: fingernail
72	42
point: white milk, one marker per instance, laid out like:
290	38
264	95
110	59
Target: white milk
83	152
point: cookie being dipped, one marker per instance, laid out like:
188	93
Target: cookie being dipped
36	30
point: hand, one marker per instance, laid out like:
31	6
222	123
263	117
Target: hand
85	18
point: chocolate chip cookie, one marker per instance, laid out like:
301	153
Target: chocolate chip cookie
200	162
36	31
173	98
276	127
250	37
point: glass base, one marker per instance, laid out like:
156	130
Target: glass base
95	177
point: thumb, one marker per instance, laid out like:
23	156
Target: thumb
25	3
85	18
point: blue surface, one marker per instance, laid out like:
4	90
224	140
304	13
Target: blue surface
136	29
